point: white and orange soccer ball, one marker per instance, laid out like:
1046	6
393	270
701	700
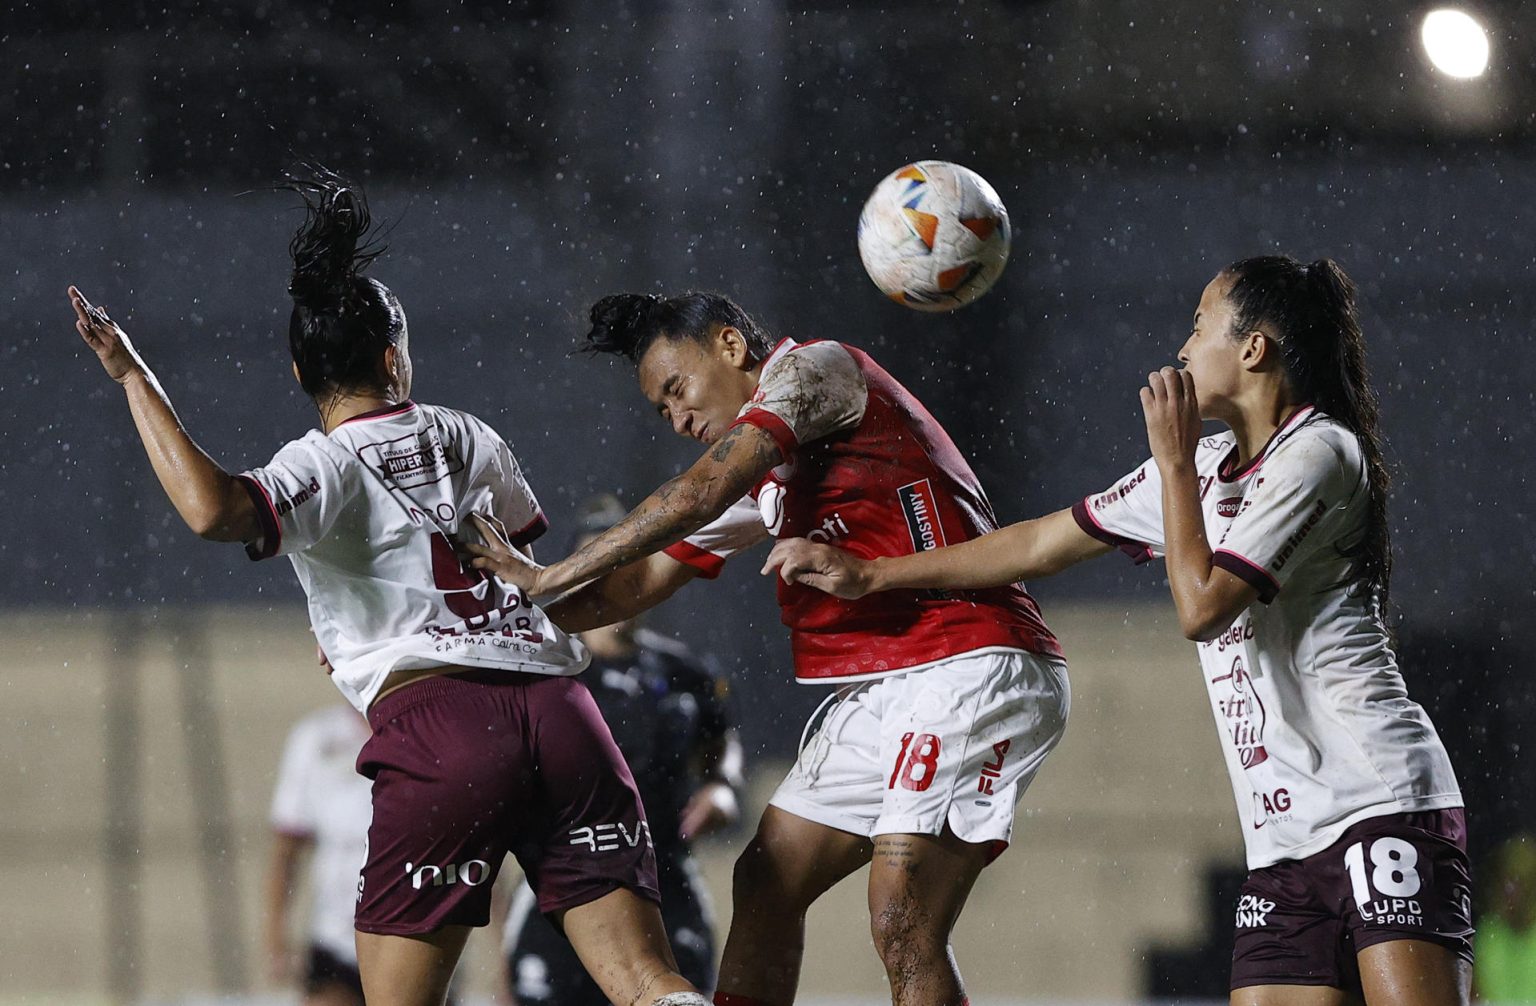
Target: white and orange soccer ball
934	236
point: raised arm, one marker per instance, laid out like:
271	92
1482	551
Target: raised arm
1208	598
738	461
1024	551
208	498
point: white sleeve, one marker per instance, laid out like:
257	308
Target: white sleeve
738	528
811	392
298	496
1129	515
1300	501
292	811
513	500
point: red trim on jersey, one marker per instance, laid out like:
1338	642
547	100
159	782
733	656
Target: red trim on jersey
383	412
530	532
1224	471
707	563
1083	514
1248	571
266	516
775	427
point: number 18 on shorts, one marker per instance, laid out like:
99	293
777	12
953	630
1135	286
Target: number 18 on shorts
954	744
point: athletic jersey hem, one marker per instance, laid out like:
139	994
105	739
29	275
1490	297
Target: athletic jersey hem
1321	840
801	679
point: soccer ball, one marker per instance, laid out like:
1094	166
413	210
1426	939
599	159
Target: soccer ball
934	236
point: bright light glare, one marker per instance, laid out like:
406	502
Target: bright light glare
1456	43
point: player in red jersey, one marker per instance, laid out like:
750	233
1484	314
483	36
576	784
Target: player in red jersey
1275	533
949	702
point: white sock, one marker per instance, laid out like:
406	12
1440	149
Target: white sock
681	999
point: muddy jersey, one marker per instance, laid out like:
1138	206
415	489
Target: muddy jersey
369	514
1315	723
868	469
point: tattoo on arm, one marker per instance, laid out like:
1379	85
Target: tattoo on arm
682	505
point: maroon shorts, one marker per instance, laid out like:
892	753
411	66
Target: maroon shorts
468	767
1398	877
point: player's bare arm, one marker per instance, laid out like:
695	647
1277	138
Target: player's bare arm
1027	550
728	470
1207	597
207	497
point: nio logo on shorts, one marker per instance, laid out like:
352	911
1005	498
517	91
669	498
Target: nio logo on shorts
471	873
610	837
1253	911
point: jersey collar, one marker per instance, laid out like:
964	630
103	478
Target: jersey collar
383	412
1227	472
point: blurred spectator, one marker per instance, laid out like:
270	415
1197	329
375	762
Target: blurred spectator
321	809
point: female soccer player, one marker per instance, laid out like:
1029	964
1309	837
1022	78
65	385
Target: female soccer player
949	703
1275	536
481	742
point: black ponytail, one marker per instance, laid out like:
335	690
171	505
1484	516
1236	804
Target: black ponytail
1310	311
341	321
626	324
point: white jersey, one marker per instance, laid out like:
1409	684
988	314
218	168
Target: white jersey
320	797
369	514
1316	725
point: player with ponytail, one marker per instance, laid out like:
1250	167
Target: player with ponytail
483	741
1275	538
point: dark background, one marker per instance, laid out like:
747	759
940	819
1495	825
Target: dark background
535	156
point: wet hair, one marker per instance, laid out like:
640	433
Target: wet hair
341	321
1309	310
626	324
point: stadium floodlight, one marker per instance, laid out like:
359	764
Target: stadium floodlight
1457	45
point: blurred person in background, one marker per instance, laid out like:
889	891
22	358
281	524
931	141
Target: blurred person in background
1278	556
321	808
941	709
1506	932
483	743
669	714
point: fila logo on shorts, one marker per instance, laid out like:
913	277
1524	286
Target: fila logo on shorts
611	837
471	874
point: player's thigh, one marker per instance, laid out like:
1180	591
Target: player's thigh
791	861
409	970
1414	973
1292	995
918	885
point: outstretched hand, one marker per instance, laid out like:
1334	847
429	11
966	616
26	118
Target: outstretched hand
498	557
828	569
1172	412
108	341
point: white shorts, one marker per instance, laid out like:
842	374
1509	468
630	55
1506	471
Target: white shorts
954	743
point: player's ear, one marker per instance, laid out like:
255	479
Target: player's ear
389	371
733	347
1257	350
296	376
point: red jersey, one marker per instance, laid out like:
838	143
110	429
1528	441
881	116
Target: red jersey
868	469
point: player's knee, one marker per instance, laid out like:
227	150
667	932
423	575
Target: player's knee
904	935
681	999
